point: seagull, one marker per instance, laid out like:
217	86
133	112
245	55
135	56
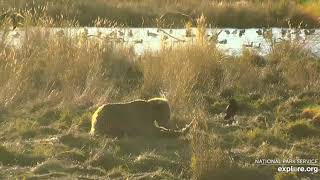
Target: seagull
121	33
248	45
312	31
259	32
130	34
215	36
289	35
138	41
231	110
309	32
112	34
264	30
234	32
165	37
189	34
267	32
16	35
60	33
241	32
289	31
297	31
258	47
151	34
99	34
85	32
223	41
283	32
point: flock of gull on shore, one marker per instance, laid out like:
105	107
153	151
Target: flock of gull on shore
119	35
264	32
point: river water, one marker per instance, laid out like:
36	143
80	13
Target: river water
233	41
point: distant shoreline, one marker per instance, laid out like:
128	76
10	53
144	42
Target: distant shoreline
168	15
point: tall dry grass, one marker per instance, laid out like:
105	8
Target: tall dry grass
73	67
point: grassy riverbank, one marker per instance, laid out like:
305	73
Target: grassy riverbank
51	85
175	13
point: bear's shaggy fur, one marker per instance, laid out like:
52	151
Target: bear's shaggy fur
131	118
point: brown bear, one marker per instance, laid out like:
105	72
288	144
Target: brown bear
139	117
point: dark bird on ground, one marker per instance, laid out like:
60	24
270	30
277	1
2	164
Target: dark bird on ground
231	110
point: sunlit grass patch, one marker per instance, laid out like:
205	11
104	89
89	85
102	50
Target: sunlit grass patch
76	140
312	7
286	176
48	166
6	156
212	163
84	121
302	129
104	159
21	128
150	161
217	164
45	149
73	155
311	112
9	157
304	147
49	117
258	136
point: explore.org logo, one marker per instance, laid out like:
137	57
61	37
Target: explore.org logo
291	165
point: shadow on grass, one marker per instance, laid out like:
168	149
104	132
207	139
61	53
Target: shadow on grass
11	158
